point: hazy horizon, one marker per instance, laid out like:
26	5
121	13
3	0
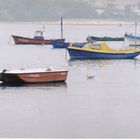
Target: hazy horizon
52	10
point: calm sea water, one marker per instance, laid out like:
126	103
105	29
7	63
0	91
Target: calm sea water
107	106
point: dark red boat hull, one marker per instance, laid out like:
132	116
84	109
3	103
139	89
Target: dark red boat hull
30	41
33	78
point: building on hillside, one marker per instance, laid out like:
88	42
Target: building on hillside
118	4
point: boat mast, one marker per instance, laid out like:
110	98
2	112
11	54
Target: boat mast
61	27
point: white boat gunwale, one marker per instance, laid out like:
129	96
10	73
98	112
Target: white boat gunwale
30	71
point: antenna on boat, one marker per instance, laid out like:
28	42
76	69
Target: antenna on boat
135	33
61	27
43	28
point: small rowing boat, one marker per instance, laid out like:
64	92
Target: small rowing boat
32	76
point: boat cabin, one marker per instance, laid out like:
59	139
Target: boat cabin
95	46
39	35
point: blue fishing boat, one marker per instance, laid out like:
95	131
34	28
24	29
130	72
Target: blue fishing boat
58	44
79	45
101	51
133	40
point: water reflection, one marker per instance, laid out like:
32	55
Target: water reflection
104	62
58	84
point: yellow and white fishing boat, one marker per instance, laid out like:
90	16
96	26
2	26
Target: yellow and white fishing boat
100	51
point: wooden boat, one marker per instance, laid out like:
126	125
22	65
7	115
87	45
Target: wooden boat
38	39
94	38
57	44
32	76
100	51
133	40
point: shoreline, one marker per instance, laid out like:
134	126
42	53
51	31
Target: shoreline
74	22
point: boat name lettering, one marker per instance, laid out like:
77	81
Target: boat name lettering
63	73
24	40
33	75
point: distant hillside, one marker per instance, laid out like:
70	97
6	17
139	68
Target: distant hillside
51	10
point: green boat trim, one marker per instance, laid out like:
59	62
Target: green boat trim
93	38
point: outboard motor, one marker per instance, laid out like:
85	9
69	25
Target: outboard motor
2	74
